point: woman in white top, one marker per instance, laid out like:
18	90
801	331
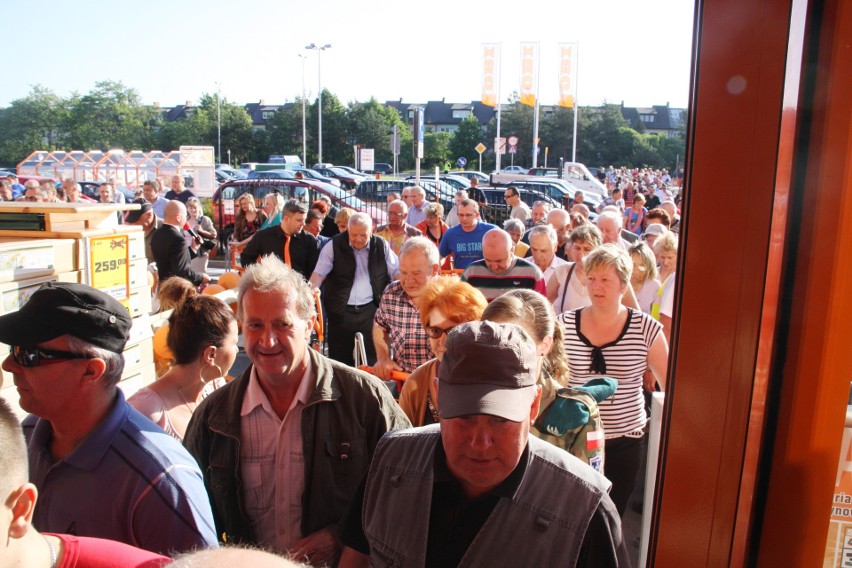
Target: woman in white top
665	249
644	278
609	339
203	338
566	288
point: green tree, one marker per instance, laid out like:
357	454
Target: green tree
336	141
605	138
285	130
35	122
465	139
436	150
109	116
370	126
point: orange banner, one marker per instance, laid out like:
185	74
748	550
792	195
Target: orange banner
567	74
490	64
529	73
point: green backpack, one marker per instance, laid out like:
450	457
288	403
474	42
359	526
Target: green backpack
572	421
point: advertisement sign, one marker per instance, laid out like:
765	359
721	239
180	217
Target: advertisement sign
567	70
417	131
529	73
500	145
366	159
490	64
108	267
838	550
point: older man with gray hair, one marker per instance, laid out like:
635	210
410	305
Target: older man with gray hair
355	266
609	223
397	231
398	334
543	247
477	489
284	446
417	206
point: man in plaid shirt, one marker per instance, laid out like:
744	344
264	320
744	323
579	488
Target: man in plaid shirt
398	334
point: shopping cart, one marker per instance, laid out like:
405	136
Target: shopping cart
360	356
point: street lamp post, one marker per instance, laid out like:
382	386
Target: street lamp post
319	50
218	124
304	128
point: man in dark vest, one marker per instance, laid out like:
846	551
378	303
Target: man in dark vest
478	489
355	267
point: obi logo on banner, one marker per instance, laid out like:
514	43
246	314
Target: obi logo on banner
490	64
567	74
529	73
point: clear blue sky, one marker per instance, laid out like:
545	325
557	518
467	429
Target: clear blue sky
172	52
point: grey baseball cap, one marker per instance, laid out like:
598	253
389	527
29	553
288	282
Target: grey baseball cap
488	368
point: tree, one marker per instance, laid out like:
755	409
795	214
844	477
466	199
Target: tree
436	150
370	126
336	143
465	139
285	131
35	122
109	116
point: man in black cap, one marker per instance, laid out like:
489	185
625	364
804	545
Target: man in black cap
145	218
101	468
478	489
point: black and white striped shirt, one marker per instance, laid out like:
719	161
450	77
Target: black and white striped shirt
624	359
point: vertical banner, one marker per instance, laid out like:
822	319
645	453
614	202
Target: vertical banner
529	73
490	64
567	74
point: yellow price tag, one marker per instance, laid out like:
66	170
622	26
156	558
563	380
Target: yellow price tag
109	267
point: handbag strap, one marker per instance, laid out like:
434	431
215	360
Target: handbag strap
565	287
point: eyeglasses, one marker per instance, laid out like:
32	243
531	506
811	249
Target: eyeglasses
437	332
394	214
29	356
508	195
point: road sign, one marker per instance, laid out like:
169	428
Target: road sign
500	145
512	140
480	147
462	162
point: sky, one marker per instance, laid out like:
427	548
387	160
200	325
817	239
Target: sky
173	51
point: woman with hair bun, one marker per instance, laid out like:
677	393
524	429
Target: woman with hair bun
203	339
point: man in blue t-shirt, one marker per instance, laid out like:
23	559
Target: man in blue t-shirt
464	241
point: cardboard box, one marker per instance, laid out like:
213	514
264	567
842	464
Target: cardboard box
13	295
22	259
138	355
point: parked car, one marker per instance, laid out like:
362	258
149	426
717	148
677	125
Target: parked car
347	180
470	174
312	174
355	172
303	190
377	190
456	182
381	168
514	170
497	210
272	174
233	173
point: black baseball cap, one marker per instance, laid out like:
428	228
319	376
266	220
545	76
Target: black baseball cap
59	308
144	207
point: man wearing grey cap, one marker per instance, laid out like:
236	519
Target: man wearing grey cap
101	468
477	489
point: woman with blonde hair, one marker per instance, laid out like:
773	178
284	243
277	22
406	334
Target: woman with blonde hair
644	277
273	204
342	219
444	303
609	339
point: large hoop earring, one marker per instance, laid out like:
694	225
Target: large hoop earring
218	373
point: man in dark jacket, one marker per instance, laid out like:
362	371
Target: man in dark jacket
284	447
288	241
168	245
355	266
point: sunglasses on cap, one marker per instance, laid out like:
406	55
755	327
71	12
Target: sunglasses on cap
28	356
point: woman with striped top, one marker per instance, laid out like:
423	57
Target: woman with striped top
608	339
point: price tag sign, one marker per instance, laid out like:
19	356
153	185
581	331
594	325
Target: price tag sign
109	267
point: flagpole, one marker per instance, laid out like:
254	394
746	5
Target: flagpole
576	102
535	107
499	69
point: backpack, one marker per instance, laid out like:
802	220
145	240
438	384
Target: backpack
573	419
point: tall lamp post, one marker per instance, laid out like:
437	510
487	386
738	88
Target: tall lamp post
319	50
218	123
303	57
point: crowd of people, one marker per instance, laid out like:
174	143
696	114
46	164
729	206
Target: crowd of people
468	330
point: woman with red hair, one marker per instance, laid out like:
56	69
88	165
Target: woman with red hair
444	303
